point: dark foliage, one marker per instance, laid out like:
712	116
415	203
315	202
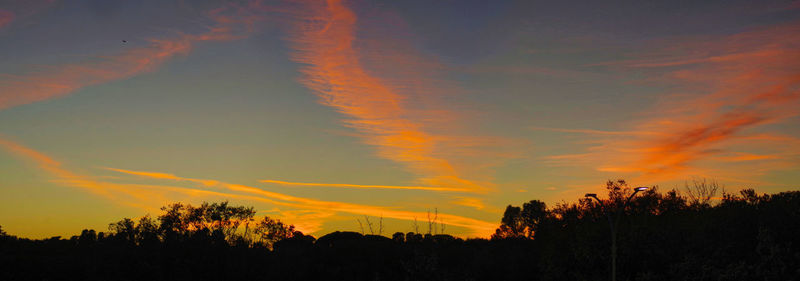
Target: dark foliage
664	236
660	236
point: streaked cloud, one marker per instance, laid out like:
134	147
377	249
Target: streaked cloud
150	197
478	227
60	80
364	186
141	196
129	195
472	202
595	132
744	156
162	176
383	109
307	221
727	87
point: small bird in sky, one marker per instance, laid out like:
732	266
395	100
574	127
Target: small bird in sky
124	41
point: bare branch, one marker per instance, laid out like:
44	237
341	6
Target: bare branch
369	224
701	191
380	228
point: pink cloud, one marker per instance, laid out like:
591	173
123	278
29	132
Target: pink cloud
22	9
60	80
6	17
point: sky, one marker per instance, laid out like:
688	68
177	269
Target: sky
332	114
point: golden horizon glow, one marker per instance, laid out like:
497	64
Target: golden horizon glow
479	228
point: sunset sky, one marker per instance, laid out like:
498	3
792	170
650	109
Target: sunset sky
320	113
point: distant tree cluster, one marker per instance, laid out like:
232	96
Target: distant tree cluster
205	242
666	236
217	223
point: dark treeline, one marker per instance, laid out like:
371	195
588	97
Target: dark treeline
661	236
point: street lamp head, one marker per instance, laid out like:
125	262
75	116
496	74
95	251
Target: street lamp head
590	195
641	188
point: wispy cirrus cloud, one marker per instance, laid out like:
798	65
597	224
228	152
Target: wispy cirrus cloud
728	87
367	186
142	196
164	176
744	156
472	202
596	132
229	22
139	196
478	227
151	197
146	197
307	221
395	112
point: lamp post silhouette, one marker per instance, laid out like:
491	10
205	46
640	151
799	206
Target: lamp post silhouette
613	223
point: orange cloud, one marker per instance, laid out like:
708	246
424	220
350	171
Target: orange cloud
43	161
130	195
307	221
145	197
595	132
729	86
476	203
363	186
743	156
57	81
324	39
163	176
147	174
151	197
478	227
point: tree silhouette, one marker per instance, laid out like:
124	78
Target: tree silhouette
666	236
268	231
661	236
521	222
